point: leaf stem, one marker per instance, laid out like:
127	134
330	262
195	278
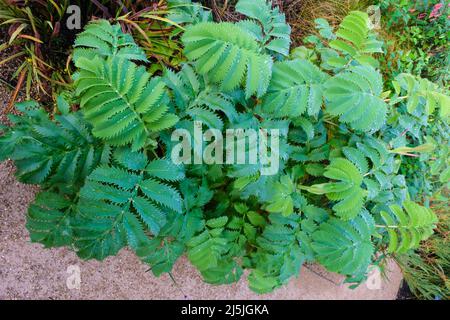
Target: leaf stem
383	226
399	98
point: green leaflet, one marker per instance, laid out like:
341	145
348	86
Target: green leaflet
51	152
165	169
312	217
201	100
162	251
279	255
208	250
357	158
207	43
270	28
347	191
422	92
119	204
186	11
324	28
368	155
345	246
281	200
121	101
250	176
407	228
49	218
262	283
354	96
356	40
296	88
383	183
100	38
161	258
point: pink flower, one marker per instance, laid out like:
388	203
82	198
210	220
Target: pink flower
421	16
435	12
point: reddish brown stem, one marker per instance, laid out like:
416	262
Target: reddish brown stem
16	92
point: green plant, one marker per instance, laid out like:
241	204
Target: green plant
157	28
119	98
41	40
337	198
413	225
426	269
60	152
37	32
417	33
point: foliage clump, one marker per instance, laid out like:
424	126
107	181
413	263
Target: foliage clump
340	198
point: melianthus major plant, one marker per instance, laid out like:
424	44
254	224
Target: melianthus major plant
339	199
